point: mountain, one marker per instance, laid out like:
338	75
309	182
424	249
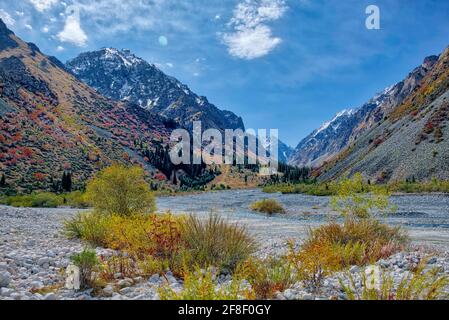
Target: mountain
120	75
337	134
51	123
407	135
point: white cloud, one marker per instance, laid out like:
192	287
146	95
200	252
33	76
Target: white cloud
28	26
251	43
45	29
169	64
72	32
7	19
251	37
42	5
60	48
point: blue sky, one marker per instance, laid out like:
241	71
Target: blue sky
286	64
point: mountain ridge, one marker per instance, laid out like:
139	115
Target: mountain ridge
334	136
122	76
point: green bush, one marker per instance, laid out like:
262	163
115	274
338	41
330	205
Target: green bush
214	242
87	262
120	190
268	206
90	227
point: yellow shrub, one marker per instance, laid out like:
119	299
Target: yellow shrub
267	276
202	285
269	206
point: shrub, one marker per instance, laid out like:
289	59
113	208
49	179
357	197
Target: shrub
87	262
334	247
203	285
153	235
120	190
214	242
352	200
267	276
419	285
357	242
118	263
90	227
269	206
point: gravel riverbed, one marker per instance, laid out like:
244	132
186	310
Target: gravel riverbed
34	253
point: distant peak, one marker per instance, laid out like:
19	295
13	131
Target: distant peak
127	57
4	29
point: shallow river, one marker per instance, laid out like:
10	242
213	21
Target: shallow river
426	217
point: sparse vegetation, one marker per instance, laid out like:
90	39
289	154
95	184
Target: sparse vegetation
202	285
417	285
268	206
267	276
332	188
358	241
87	262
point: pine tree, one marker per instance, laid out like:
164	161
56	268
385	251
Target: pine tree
3	181
66	182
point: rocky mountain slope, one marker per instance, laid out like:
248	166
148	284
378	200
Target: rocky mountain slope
51	122
406	136
120	75
336	135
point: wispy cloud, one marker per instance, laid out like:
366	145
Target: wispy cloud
251	36
42	5
7	19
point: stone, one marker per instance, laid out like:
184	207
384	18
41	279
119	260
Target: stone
354	269
50	296
37	285
432	260
108	291
154	279
125	291
44	262
5	292
124	283
289	294
5	279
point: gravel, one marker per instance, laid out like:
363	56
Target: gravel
34	255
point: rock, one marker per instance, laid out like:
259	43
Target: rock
154	279
5	292
290	294
30	243
432	260
44	262
5	279
108	291
125	291
50	296
124	283
307	296
37	285
354	269
279	296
